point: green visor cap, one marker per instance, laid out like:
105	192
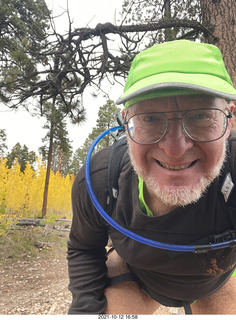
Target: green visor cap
177	68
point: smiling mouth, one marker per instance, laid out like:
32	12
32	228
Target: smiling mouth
175	168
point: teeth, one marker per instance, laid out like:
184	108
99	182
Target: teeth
174	168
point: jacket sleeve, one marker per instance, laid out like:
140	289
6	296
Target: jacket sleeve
86	254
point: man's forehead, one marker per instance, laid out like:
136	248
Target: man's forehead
177	102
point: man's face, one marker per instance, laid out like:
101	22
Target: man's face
177	170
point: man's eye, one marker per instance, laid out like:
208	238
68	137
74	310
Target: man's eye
150	118
200	116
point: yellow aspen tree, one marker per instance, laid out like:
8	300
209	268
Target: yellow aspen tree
38	188
53	193
68	182
14	196
59	180
21	193
5	222
29	179
3	183
59	195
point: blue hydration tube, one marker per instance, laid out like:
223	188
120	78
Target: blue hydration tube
132	235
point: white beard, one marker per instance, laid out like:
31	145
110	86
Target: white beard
179	195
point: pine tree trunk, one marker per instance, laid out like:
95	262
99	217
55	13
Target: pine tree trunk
45	195
167	15
60	161
219	16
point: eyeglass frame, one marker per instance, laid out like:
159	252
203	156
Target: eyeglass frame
229	116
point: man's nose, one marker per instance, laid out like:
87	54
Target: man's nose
175	142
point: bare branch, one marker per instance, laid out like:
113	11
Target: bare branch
84	57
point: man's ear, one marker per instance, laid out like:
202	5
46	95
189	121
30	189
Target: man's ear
123	114
231	106
232	121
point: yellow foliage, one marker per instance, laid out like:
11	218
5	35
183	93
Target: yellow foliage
37	189
59	194
15	189
21	193
3	182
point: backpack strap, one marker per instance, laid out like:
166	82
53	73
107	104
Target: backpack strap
232	150
228	174
116	162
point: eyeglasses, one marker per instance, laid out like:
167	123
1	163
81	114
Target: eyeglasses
201	125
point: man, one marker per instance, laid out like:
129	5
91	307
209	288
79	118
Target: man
177	118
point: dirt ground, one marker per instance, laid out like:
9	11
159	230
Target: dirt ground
35	286
38	285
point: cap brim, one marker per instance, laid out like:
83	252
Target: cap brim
201	83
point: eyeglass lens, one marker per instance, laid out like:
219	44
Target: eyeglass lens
199	124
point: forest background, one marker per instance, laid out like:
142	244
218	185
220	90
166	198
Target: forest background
54	70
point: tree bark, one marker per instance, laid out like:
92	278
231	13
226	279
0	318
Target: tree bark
60	161
219	16
45	195
28	222
167	15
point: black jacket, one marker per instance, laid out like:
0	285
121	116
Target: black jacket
181	276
